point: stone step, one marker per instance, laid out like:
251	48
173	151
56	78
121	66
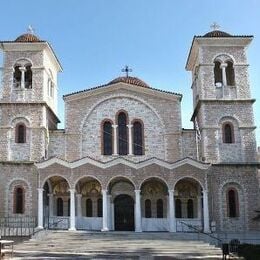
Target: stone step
116	245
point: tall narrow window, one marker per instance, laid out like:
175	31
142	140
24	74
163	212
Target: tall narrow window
159	206
230	74
17	77
190	213
217	73
107	138
28	77
19	201
99	208
122	134
89	211
59	207
148	209
20	133
68	207
228	133
138	138
178	211
232	203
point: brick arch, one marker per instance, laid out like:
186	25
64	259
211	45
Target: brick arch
160	179
74	183
121	96
22	61
187	177
223	57
120	177
41	185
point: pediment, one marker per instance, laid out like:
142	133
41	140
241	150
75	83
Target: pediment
116	87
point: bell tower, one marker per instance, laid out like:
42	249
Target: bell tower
222	103
28	98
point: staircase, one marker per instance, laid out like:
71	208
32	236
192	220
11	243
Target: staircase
116	245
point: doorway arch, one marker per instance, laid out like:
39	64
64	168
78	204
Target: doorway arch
124	213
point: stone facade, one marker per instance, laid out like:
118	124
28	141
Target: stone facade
182	176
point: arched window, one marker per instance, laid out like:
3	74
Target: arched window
107	138
230	74
20	133
18	200
59	207
178	212
190	208
122	134
232	199
148	209
28	77
217	72
138	138
99	208
89	211
17	76
159	206
228	133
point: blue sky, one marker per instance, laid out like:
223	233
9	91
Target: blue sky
94	39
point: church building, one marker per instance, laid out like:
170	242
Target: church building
123	160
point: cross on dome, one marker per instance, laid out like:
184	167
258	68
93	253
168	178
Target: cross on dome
126	69
30	30
215	26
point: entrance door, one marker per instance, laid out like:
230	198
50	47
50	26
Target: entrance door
124	213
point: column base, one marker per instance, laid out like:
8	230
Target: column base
104	229
39	227
72	229
139	231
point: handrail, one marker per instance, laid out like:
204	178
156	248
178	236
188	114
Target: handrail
199	231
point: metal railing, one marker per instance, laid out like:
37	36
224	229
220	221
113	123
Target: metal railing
57	223
17	226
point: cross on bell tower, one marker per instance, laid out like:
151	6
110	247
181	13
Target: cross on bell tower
126	69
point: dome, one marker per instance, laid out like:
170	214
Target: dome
27	37
129	80
217	33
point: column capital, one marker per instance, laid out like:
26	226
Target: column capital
72	190
114	126
223	65
22	68
50	195
79	195
104	191
137	191
129	125
171	191
205	191
40	189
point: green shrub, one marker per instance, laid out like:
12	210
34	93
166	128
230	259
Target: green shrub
249	252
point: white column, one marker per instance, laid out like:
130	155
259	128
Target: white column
72	209
50	204
206	211
199	203
22	69
115	152
109	224
79	210
138	215
224	77
40	208
105	217
172	221
130	140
